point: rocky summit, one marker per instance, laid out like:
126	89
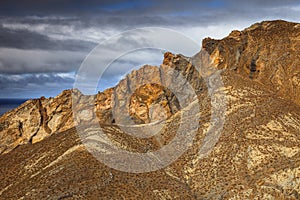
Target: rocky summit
238	98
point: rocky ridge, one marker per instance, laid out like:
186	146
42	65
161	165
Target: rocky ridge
257	155
142	97
267	52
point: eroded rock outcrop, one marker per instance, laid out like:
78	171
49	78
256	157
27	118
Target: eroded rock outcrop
145	95
176	75
150	103
256	156
35	120
267	52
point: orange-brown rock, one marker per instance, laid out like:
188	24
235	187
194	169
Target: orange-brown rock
150	103
267	52
142	97
36	119
256	155
175	74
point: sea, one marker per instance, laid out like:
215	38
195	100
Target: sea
9	104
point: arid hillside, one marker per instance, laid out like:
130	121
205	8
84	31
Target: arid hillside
232	110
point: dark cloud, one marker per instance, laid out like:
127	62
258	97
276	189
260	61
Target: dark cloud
54	36
18	61
87	7
24	39
128	14
27	79
34	85
132	14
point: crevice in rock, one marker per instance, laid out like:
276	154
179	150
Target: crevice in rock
20	128
253	65
33	135
128	84
44	116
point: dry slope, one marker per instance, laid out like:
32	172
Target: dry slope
257	155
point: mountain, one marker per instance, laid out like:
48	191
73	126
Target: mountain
128	102
266	52
227	124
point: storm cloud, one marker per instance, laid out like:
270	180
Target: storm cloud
31	85
25	39
41	40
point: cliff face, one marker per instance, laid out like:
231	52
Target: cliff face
150	89
266	52
34	120
141	97
256	155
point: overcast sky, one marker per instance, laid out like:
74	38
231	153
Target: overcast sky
43	43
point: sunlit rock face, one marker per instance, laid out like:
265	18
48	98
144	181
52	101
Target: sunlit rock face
143	96
256	156
150	103
36	119
149	94
267	52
